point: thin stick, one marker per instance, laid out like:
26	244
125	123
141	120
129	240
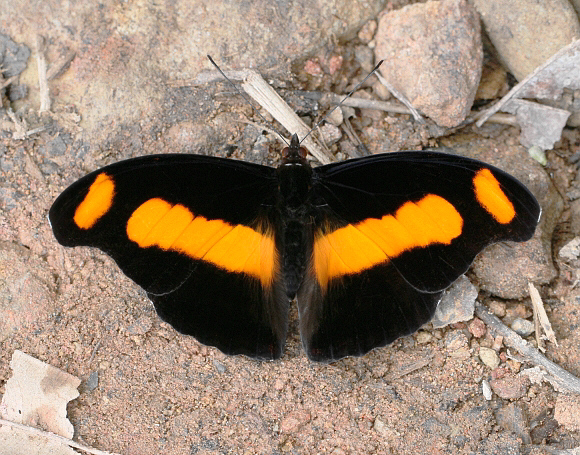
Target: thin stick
207	77
418	118
327	98
55	437
95	349
58	67
7	82
541	318
330	98
564	379
42	80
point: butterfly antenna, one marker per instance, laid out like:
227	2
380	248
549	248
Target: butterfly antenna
347	96
246	97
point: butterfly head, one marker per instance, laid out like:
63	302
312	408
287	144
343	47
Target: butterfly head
294	154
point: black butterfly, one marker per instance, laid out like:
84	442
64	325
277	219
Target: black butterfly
367	246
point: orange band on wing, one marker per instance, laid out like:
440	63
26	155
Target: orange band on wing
492	198
354	248
96	203
235	248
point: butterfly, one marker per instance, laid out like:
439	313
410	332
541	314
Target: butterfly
365	246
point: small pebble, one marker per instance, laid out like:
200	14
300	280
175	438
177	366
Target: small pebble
523	327
486	390
455	340
220	367
381	91
93	381
489	357
364	57
510	387
497	343
571	250
423	337
539	154
313	68
477	328
334	64
457	304
335	117
330	133
367	32
497	308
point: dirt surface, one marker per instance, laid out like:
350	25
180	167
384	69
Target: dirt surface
148	390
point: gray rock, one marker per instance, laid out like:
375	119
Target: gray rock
528	32
13	56
92	382
457	304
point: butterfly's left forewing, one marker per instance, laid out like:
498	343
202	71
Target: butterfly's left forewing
197	233
391	232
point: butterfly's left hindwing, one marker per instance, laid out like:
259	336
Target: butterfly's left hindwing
197	234
391	232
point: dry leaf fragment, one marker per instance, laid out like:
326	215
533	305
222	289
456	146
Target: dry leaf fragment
36	395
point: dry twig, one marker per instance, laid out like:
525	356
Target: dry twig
42	79
541	319
564	379
268	98
57	68
418	117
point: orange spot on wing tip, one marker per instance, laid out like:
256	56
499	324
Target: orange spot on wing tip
96	203
492	198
